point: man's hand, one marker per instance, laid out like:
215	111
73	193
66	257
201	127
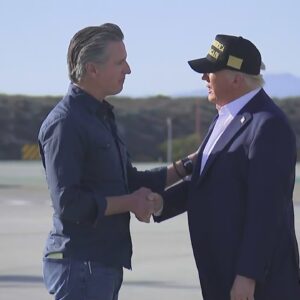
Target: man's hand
193	157
242	289
157	202
142	207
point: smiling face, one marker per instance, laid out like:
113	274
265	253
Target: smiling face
111	74
220	87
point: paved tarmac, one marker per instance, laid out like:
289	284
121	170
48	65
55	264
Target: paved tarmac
163	266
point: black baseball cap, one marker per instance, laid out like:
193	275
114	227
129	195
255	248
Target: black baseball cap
229	52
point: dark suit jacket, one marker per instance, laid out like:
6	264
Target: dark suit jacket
240	209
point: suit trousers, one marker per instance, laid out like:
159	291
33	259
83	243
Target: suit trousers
69	279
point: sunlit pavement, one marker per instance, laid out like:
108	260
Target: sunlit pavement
163	266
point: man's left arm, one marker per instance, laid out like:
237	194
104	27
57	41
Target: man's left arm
158	179
272	156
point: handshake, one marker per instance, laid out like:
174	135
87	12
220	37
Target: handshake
145	203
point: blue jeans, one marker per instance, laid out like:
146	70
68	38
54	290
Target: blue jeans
69	279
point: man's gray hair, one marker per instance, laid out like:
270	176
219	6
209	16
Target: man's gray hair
255	81
89	45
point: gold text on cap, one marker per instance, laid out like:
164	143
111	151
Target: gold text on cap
218	45
212	52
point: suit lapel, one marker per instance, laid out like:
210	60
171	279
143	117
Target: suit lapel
196	170
239	122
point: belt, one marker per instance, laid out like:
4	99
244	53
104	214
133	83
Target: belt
60	255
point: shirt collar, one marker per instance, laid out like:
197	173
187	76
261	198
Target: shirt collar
233	107
89	102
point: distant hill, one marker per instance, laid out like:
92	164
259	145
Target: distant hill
277	86
282	85
142	124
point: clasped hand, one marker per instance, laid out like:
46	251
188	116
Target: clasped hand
145	203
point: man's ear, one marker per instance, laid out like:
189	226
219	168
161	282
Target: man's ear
91	69
238	80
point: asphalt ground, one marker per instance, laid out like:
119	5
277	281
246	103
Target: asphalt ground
163	266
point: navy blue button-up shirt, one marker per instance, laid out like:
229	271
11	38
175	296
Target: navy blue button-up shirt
85	161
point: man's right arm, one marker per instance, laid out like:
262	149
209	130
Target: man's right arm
63	149
174	202
139	202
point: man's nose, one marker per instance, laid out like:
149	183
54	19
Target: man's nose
205	76
127	70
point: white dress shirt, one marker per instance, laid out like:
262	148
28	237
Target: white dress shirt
226	115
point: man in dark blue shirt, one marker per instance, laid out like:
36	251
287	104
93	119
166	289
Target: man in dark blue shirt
92	183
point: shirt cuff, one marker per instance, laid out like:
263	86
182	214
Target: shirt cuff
159	212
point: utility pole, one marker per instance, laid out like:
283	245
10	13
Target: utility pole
169	140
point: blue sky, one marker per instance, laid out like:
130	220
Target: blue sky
160	37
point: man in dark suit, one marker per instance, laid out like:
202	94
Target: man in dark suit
239	198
